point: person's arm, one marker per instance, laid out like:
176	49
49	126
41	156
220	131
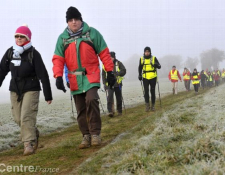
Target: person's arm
4	67
169	76
122	69
140	68
157	64
179	75
58	59
42	74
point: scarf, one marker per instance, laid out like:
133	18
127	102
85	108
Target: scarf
72	34
17	51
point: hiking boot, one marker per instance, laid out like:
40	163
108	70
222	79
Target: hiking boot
110	114
147	107
153	107
35	146
119	114
95	140
28	149
86	142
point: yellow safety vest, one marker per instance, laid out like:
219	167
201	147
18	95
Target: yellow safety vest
186	77
195	81
149	72
223	74
119	78
174	75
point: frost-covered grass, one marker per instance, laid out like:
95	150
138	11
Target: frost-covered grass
185	138
58	115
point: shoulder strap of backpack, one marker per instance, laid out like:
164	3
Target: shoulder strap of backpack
31	55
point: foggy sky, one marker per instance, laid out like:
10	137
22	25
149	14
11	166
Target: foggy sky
184	27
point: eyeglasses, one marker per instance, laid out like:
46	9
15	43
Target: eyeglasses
20	36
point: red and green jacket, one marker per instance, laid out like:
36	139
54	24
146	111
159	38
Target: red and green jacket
81	55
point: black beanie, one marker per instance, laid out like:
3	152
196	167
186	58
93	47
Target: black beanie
147	48
113	54
71	13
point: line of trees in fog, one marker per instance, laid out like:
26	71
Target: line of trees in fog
209	59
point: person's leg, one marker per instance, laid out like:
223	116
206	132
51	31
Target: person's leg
146	89
29	110
110	102
81	113
186	85
16	109
118	93
176	87
173	87
93	112
152	85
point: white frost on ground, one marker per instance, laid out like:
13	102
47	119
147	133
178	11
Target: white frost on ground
59	115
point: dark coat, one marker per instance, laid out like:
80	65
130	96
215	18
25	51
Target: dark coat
26	76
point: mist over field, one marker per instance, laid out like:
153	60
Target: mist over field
172	28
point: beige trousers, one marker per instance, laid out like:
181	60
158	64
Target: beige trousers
175	87
25	114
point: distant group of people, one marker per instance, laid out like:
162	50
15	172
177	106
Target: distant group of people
202	79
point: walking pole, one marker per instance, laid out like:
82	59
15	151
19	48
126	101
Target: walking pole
72	104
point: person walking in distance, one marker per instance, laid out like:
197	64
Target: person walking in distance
119	72
79	47
195	77
186	78
173	77
147	69
27	70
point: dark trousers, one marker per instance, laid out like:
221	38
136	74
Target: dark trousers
187	84
88	112
196	87
118	93
152	83
216	82
203	83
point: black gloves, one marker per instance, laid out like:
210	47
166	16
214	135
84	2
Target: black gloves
140	77
111	79
59	84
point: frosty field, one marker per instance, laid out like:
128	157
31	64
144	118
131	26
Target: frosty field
59	115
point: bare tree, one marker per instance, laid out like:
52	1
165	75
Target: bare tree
191	63
210	59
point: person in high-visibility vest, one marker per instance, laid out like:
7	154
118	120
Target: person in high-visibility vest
216	77
223	75
203	79
186	78
147	69
195	77
210	79
119	72
173	76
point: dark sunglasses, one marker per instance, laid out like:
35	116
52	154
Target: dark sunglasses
20	36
